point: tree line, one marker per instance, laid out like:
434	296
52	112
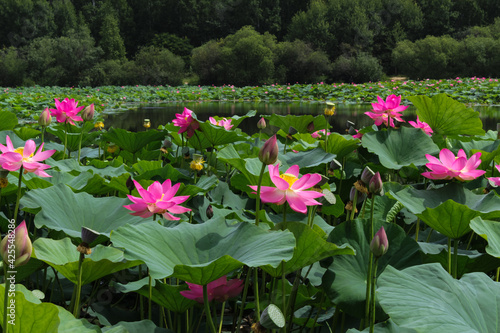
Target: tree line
244	42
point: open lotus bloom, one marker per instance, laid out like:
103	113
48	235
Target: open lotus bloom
20	242
223	123
290	188
449	166
495	180
13	159
66	111
384	112
424	126
158	199
219	290
186	122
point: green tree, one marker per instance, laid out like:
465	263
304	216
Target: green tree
111	42
157	66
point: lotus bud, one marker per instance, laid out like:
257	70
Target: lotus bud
334	165
376	186
166	144
210	211
20	242
379	243
367	175
261	124
45	118
88	113
310	127
130	184
268	154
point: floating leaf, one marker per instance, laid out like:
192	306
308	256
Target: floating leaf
489	230
8	120
399	148
63	256
201	253
447	116
449	209
62	209
132	141
427	299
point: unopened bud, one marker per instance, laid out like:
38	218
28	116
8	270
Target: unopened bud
367	175
261	124
268	154
45	118
88	113
210	211
376	186
310	127
379	243
20	242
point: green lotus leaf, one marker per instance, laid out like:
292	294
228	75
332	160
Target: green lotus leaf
31	315
449	209
201	253
426	298
62	209
63	256
73	134
447	116
26	133
311	246
300	123
345	280
306	159
340	145
8	120
467	261
72	166
489	230
162	294
212	136
399	148
132	141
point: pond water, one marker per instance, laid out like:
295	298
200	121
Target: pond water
131	118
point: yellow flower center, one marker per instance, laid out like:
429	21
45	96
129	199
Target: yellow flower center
290	179
20	151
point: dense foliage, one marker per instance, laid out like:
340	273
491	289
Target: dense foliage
100	42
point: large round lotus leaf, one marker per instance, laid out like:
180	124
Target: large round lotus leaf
162	294
447	116
449	209
201	253
307	159
427	299
8	120
489	230
345	280
399	148
340	145
300	123
132	141
63	256
62	209
33	316
143	326
311	246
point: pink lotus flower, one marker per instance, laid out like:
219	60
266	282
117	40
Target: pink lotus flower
290	188
358	135
223	122
158	199
66	111
448	166
496	180
320	133
13	159
386	111
186	122
220	290
424	126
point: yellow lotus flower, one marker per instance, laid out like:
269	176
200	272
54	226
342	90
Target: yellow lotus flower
197	163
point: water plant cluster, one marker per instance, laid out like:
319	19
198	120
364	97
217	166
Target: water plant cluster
27	102
199	227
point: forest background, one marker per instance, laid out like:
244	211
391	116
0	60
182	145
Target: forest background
244	42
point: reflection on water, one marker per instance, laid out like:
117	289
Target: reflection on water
160	114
